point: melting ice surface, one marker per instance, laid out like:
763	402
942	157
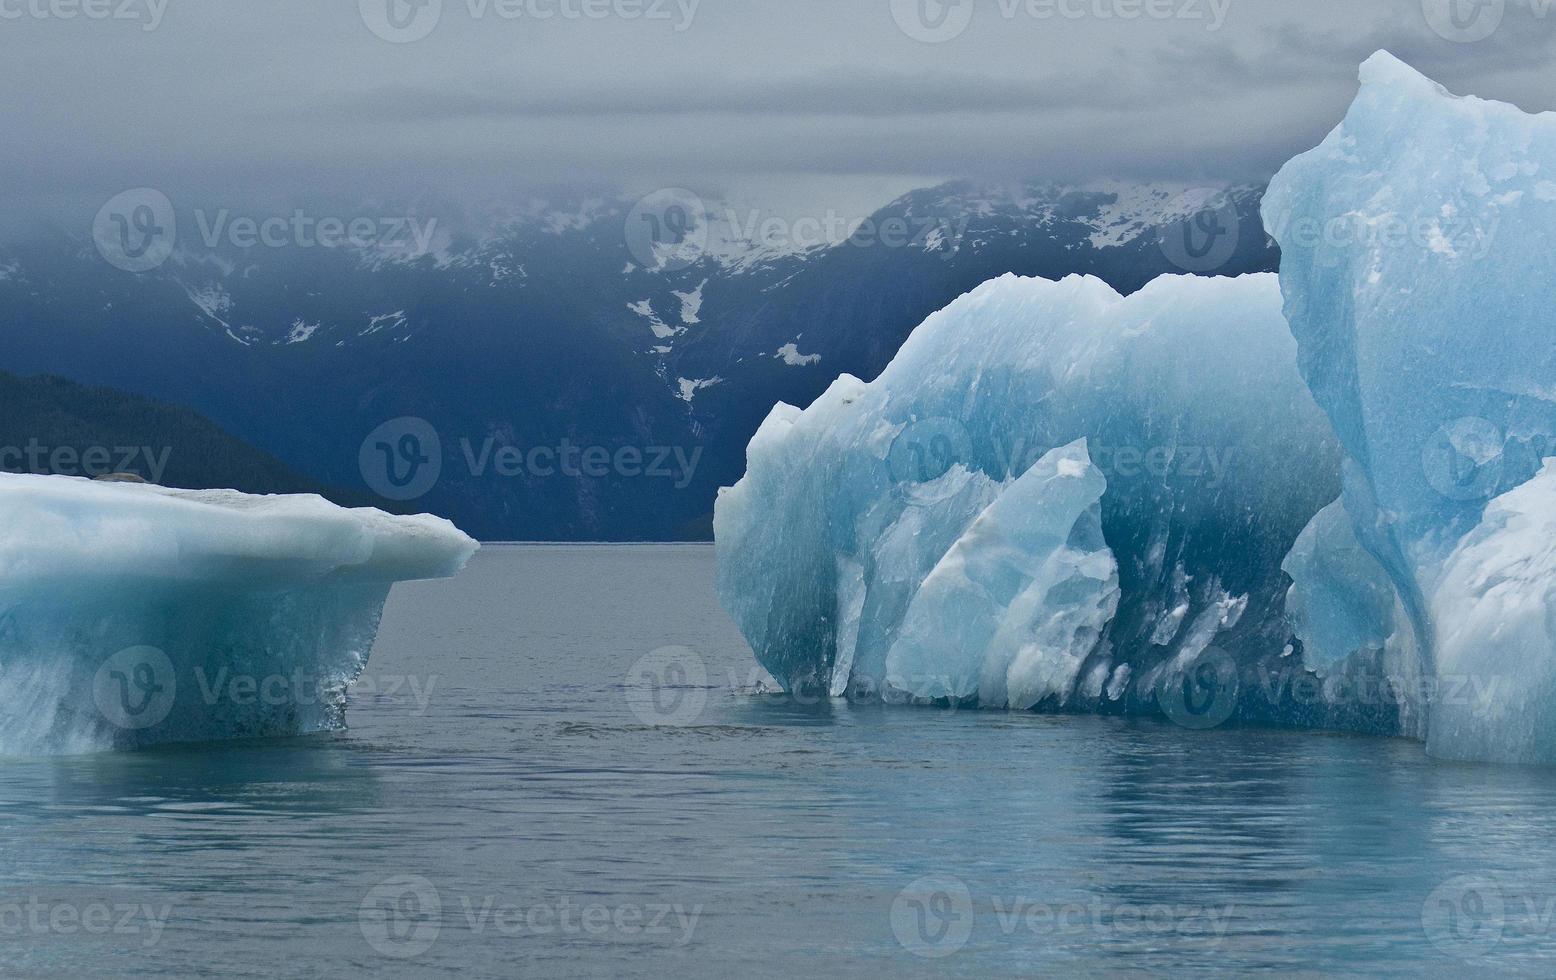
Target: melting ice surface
1415	244
1054	496
1378	496
132	615
1014	608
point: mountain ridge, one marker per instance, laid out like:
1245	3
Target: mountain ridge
570	329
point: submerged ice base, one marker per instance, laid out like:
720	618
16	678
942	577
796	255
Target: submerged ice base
132	615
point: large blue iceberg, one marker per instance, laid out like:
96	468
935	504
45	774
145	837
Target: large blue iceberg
1320	502
1414	244
133	615
1055	496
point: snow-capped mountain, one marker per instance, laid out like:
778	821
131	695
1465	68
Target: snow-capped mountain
666	326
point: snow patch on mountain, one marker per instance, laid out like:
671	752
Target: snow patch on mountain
691	304
302	332
791	355
645	309
1032	205
213	300
503	269
384	321
936	240
1141	209
1136	209
579	218
690	386
741	238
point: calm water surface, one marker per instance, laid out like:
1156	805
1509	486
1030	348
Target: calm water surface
516	797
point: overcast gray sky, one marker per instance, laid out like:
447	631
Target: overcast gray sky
839	102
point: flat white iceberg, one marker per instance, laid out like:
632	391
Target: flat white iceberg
132	615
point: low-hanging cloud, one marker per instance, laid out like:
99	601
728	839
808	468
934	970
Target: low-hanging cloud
227	99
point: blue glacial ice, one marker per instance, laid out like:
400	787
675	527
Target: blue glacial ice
132	615
1011	612
1493	604
1413	240
1382	515
1054	497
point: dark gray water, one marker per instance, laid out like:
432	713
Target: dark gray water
533	785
